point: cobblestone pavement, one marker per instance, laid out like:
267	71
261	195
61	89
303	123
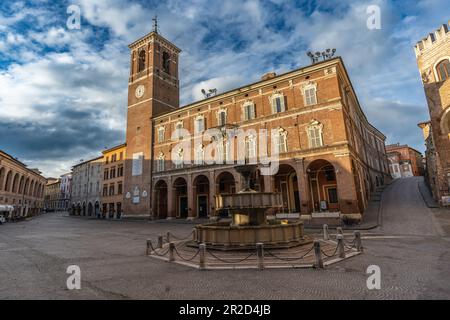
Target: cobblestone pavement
411	248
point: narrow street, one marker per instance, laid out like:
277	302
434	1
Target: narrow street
409	248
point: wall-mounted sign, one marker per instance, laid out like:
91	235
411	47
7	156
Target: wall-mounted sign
144	194
138	159
136	200
128	195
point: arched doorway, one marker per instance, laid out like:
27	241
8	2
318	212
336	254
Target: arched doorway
97	209
90	209
84	209
181	199
201	194
323	186
225	183
160	200
286	182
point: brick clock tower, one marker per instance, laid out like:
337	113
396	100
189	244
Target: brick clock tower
153	89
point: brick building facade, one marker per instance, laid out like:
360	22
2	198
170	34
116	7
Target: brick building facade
433	60
404	161
20	187
330	157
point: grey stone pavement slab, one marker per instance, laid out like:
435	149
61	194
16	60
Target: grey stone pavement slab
410	247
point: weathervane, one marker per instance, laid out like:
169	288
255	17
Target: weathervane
155	24
325	55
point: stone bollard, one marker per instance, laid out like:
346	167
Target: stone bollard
168	236
149	246
202	248
340	246
318	255
326	235
358	243
160	242
171	251
260	255
339	231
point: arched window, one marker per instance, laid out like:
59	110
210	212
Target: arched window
222	117
179	159
443	69
199	154
160	162
166	62
309	93
314	131
141	64
248	111
178	130
199	124
250	149
277	101
280	140
161	131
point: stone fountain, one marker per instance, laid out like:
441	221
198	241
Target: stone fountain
249	225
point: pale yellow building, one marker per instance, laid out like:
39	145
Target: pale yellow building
112	183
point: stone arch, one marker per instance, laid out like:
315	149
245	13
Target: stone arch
201	187
445	121
2	177
160	199
15	183
8	181
30	191
141	60
180	197
26	187
286	183
225	183
90	209
323	186
21	185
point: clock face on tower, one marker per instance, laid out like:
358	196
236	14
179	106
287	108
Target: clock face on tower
139	91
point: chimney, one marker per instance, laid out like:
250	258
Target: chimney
268	75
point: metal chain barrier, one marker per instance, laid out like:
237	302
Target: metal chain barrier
332	255
228	261
186	259
289	258
158	254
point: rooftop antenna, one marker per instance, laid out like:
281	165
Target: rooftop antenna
155	24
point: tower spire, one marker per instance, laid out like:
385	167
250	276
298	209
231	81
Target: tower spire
155	24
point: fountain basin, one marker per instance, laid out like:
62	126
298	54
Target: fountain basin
225	236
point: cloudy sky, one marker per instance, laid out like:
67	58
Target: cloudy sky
63	92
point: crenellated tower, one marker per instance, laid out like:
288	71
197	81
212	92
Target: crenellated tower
433	60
